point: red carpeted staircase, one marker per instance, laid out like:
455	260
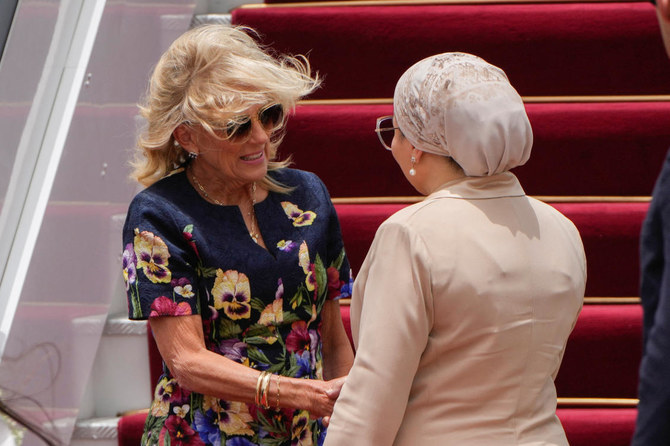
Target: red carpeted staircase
546	48
580	149
594	78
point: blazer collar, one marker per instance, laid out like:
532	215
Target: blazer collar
500	185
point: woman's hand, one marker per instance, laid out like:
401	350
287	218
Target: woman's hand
336	387
333	393
325	398
314	395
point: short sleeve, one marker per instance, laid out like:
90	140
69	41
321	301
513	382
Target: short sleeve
159	259
340	279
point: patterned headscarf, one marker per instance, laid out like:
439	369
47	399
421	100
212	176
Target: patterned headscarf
459	105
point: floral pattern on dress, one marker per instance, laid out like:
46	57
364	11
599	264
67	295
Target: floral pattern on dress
152	256
179	433
182	287
286	245
278	329
299	217
129	265
164	306
186	419
232	293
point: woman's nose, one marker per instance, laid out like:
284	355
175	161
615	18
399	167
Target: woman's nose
258	133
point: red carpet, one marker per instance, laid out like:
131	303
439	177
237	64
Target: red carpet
545	49
609	231
613	149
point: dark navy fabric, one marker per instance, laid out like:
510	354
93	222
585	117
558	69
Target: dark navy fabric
653	420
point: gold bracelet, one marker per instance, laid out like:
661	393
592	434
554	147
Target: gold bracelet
278	379
267	392
259	382
264	390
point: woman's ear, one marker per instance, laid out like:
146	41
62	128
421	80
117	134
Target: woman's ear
184	135
416	153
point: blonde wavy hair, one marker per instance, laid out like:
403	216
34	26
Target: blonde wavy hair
208	76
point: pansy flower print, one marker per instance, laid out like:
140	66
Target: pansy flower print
234	349
303	257
235	417
130	279
152	256
334	283
164	306
232	418
129	261
180	433
187	233
301	338
207	424
181	411
307	267
232	293
273	314
299	217
286	245
166	392
182	287
301	435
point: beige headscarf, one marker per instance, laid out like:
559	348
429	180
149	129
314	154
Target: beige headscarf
459	105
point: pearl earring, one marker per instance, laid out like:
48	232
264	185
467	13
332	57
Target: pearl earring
412	171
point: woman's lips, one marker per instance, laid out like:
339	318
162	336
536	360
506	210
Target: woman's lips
252	157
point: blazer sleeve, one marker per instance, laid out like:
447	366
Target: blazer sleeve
391	333
652	426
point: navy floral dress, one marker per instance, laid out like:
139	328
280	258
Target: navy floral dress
260	308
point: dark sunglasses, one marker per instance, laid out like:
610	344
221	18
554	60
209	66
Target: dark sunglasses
270	117
385	131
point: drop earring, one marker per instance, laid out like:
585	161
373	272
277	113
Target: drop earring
412	171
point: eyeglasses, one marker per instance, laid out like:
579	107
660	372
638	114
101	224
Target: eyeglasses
270	117
385	131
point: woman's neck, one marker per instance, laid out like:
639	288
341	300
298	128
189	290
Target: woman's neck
216	189
438	171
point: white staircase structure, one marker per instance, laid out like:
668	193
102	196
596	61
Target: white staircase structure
70	75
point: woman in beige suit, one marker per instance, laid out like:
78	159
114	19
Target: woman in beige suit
462	309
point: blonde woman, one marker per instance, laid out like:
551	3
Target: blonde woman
463	306
235	259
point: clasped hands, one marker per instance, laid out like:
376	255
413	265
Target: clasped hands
328	393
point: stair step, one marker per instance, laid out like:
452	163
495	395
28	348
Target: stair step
96	432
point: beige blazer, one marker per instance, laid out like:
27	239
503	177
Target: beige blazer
460	315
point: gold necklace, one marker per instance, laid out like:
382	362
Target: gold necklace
252	212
